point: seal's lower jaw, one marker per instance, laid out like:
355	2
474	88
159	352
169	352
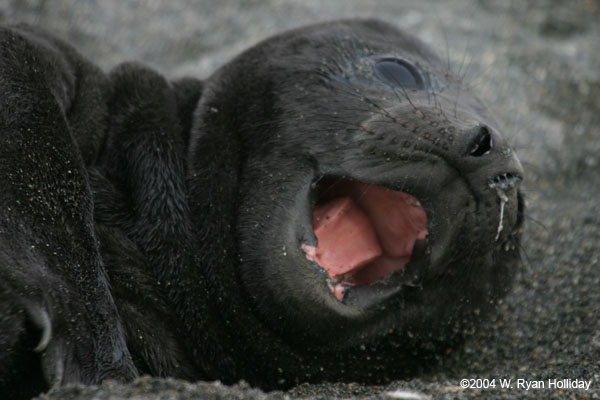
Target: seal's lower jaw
369	240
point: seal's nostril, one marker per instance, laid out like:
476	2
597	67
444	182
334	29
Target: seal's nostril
481	143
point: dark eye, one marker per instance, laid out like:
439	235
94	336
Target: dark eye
398	73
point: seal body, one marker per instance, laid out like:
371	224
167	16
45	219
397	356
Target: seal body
333	204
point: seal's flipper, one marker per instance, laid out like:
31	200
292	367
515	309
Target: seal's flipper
49	125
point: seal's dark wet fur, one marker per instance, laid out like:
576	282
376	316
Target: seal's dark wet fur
154	226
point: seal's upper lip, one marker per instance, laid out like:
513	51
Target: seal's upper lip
367	237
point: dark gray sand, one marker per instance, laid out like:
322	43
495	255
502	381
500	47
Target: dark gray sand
536	62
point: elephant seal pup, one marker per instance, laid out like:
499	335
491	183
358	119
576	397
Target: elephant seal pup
333	204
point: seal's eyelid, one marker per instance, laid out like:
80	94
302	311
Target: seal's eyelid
398	72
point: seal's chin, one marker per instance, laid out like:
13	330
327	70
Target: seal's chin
367	236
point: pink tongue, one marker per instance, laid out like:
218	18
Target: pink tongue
365	232
346	240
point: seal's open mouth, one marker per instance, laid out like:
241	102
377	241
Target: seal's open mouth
365	233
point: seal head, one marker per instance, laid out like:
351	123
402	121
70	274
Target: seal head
376	196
